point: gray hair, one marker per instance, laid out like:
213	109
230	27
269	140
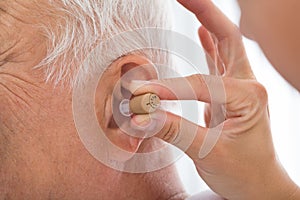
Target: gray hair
83	24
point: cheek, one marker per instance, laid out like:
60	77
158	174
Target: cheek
104	91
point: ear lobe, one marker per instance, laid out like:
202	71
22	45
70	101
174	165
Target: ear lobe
110	92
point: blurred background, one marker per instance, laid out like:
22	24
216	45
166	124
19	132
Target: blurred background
284	101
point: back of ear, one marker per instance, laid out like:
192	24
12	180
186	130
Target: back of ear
111	91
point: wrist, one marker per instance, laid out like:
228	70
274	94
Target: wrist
277	185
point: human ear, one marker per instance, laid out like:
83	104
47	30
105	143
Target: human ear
110	93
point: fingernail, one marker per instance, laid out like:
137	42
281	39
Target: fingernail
142	120
159	116
136	84
145	124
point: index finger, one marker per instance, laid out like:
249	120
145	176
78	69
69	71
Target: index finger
197	87
211	17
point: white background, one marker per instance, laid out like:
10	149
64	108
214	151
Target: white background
284	101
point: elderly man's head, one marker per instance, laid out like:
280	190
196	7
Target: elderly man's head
69	30
43	46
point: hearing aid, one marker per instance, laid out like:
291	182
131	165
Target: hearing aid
142	104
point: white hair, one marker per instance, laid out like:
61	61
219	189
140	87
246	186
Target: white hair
80	25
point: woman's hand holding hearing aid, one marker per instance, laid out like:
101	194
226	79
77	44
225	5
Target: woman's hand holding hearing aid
241	163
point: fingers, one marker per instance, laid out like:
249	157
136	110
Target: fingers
207	42
207	115
211	17
204	88
213	60
179	132
216	68
210	50
229	40
196	87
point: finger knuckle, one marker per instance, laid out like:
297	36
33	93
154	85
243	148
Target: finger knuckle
195	78
172	132
260	92
198	81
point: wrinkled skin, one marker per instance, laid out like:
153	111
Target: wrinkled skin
41	154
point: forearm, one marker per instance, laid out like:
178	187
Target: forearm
276	185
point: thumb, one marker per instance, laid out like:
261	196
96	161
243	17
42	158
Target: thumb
196	141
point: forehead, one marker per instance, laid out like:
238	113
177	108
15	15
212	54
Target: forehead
8	32
17	9
17	28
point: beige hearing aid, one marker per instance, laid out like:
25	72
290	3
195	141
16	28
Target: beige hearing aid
144	104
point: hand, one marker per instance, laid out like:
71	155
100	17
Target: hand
241	163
